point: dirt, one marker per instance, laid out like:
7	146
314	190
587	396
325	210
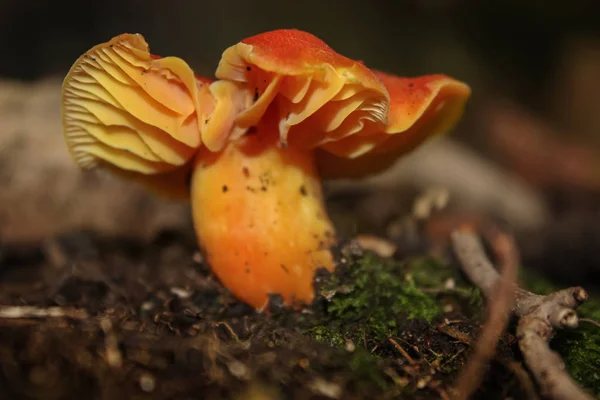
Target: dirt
148	320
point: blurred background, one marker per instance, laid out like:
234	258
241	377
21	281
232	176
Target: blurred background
527	152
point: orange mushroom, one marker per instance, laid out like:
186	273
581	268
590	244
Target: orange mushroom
285	110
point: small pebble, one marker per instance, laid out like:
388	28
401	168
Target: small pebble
198	258
180	292
449	284
327	389
350	346
238	369
147	383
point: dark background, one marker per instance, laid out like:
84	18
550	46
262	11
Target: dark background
513	46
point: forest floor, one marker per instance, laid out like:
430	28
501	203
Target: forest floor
104	317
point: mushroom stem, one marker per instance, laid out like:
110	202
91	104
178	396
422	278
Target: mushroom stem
260	218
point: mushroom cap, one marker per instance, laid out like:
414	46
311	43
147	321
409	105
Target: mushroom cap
359	120
420	108
142	115
127	108
319	95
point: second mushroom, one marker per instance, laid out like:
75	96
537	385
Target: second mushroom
249	149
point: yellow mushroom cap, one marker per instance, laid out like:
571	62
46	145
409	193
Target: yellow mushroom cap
319	94
420	108
124	107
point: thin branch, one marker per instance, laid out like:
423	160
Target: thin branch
402	351
20	312
539	317
381	247
500	289
590	321
111	344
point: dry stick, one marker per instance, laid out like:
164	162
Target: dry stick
590	321
16	312
500	290
539	316
113	356
402	351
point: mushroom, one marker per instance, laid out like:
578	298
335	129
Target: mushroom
285	111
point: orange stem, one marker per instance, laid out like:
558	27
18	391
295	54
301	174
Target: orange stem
260	218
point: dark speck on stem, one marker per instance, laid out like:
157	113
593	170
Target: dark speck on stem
225	188
303	191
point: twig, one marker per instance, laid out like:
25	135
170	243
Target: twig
381	247
111	344
539	316
402	351
229	330
522	375
500	290
17	312
534	331
590	321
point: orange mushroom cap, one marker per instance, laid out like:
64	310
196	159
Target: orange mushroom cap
319	94
359	120
420	108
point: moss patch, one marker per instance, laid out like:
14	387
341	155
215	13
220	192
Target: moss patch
374	296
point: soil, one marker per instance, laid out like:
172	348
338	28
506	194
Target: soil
147	320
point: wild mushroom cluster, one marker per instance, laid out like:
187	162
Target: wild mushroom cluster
249	148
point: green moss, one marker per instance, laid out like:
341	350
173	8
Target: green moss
369	299
580	350
428	273
325	335
534	283
375	293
